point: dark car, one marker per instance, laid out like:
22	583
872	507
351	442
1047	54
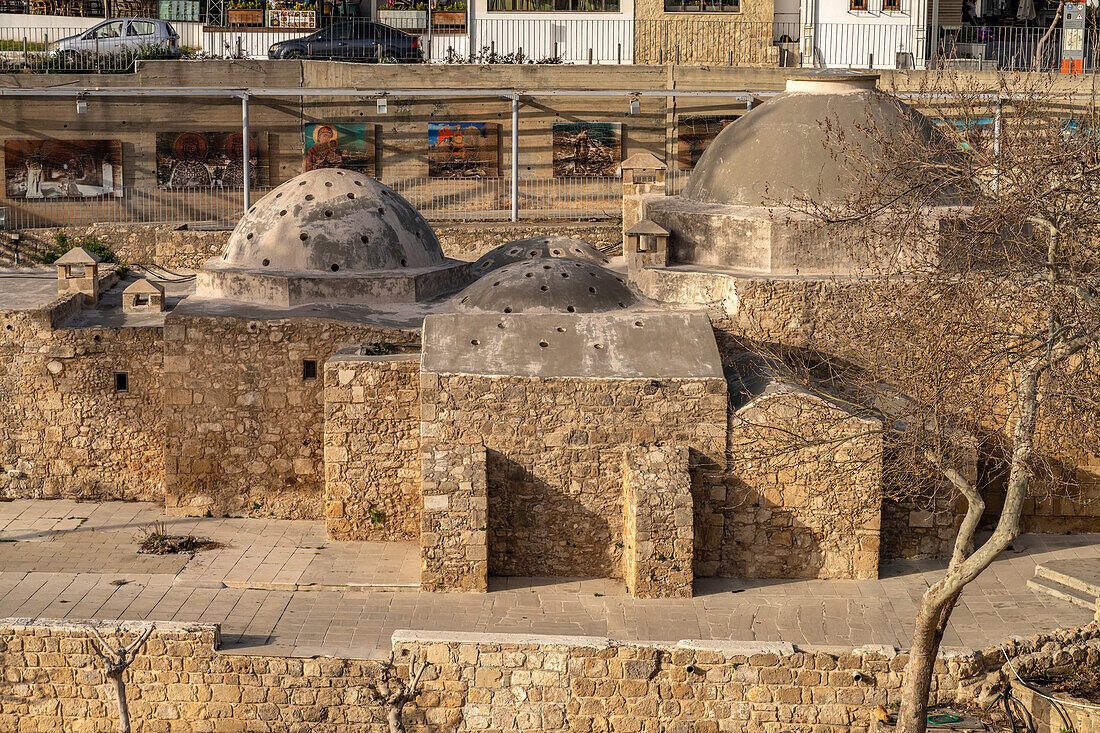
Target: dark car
352	41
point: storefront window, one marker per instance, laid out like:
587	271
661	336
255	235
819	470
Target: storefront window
702	6
551	6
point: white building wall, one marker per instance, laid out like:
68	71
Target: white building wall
609	37
834	35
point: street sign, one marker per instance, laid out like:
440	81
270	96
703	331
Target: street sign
1073	38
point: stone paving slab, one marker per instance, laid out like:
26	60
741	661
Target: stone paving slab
357	621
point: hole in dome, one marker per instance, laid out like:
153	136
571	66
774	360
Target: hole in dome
351	195
278	195
513	251
419	235
593	274
561	330
225	256
500	325
546	267
571	309
282	213
266	263
565	274
620	279
301	183
404	263
577	250
358	183
339	173
546	241
381	211
639	324
508	309
309	197
252	210
364	239
543	344
496	283
464	299
533	253
475	342
555	252
485	265
328	184
250	235
622	304
335	268
592	290
544	288
328	212
529	274
597	346
303	236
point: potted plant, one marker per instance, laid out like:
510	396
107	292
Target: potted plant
245	12
404	14
449	16
291	14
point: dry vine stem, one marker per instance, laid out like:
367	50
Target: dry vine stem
117	660
394	692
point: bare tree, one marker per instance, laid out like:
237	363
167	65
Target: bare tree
395	692
117	660
973	317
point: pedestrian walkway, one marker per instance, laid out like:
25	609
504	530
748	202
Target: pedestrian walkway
279	587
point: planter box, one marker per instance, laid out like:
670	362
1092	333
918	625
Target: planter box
404	19
449	21
251	18
292	18
181	10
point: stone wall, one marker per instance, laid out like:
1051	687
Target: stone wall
453	551
54	683
372	447
658	534
468	241
64	429
554	457
245	428
804	490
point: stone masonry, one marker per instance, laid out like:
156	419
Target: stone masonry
658	545
453	553
372	447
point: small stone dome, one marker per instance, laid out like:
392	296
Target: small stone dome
782	150
331	220
537	247
548	285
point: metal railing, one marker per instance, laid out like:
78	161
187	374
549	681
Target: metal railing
64	49
451	199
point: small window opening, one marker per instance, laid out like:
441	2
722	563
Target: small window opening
140	299
309	369
122	382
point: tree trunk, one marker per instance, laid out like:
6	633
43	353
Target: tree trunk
394	718
120	700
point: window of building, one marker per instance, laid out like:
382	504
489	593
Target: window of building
309	369
122	382
857	4
891	6
702	6
550	6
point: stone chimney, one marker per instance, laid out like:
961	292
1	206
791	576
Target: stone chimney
78	272
643	176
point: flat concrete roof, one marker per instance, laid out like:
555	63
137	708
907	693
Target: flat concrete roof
27	288
408	316
638	344
108	314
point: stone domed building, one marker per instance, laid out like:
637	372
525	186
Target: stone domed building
538	247
331	235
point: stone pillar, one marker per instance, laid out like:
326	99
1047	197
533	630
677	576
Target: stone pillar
645	245
643	176
78	272
453	539
658	529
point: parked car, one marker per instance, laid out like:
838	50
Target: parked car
352	41
126	35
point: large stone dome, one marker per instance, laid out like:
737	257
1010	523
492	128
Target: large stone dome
548	286
544	246
782	149
331	220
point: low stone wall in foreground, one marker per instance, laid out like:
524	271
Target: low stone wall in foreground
52	681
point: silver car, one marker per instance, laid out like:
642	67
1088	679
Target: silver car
121	35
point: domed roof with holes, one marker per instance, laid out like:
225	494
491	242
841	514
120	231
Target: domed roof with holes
331	220
537	247
548	285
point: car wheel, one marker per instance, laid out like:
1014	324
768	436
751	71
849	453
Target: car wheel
292	55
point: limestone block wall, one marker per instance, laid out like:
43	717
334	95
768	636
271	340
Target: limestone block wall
453	553
53	683
554	450
658	536
244	427
64	430
372	447
804	491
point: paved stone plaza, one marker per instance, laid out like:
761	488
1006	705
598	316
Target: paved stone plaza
278	587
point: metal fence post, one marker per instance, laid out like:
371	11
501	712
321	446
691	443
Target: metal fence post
997	148
515	155
246	154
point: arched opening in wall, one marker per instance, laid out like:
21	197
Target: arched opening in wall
547	513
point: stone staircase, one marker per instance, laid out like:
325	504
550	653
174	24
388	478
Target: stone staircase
1072	581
